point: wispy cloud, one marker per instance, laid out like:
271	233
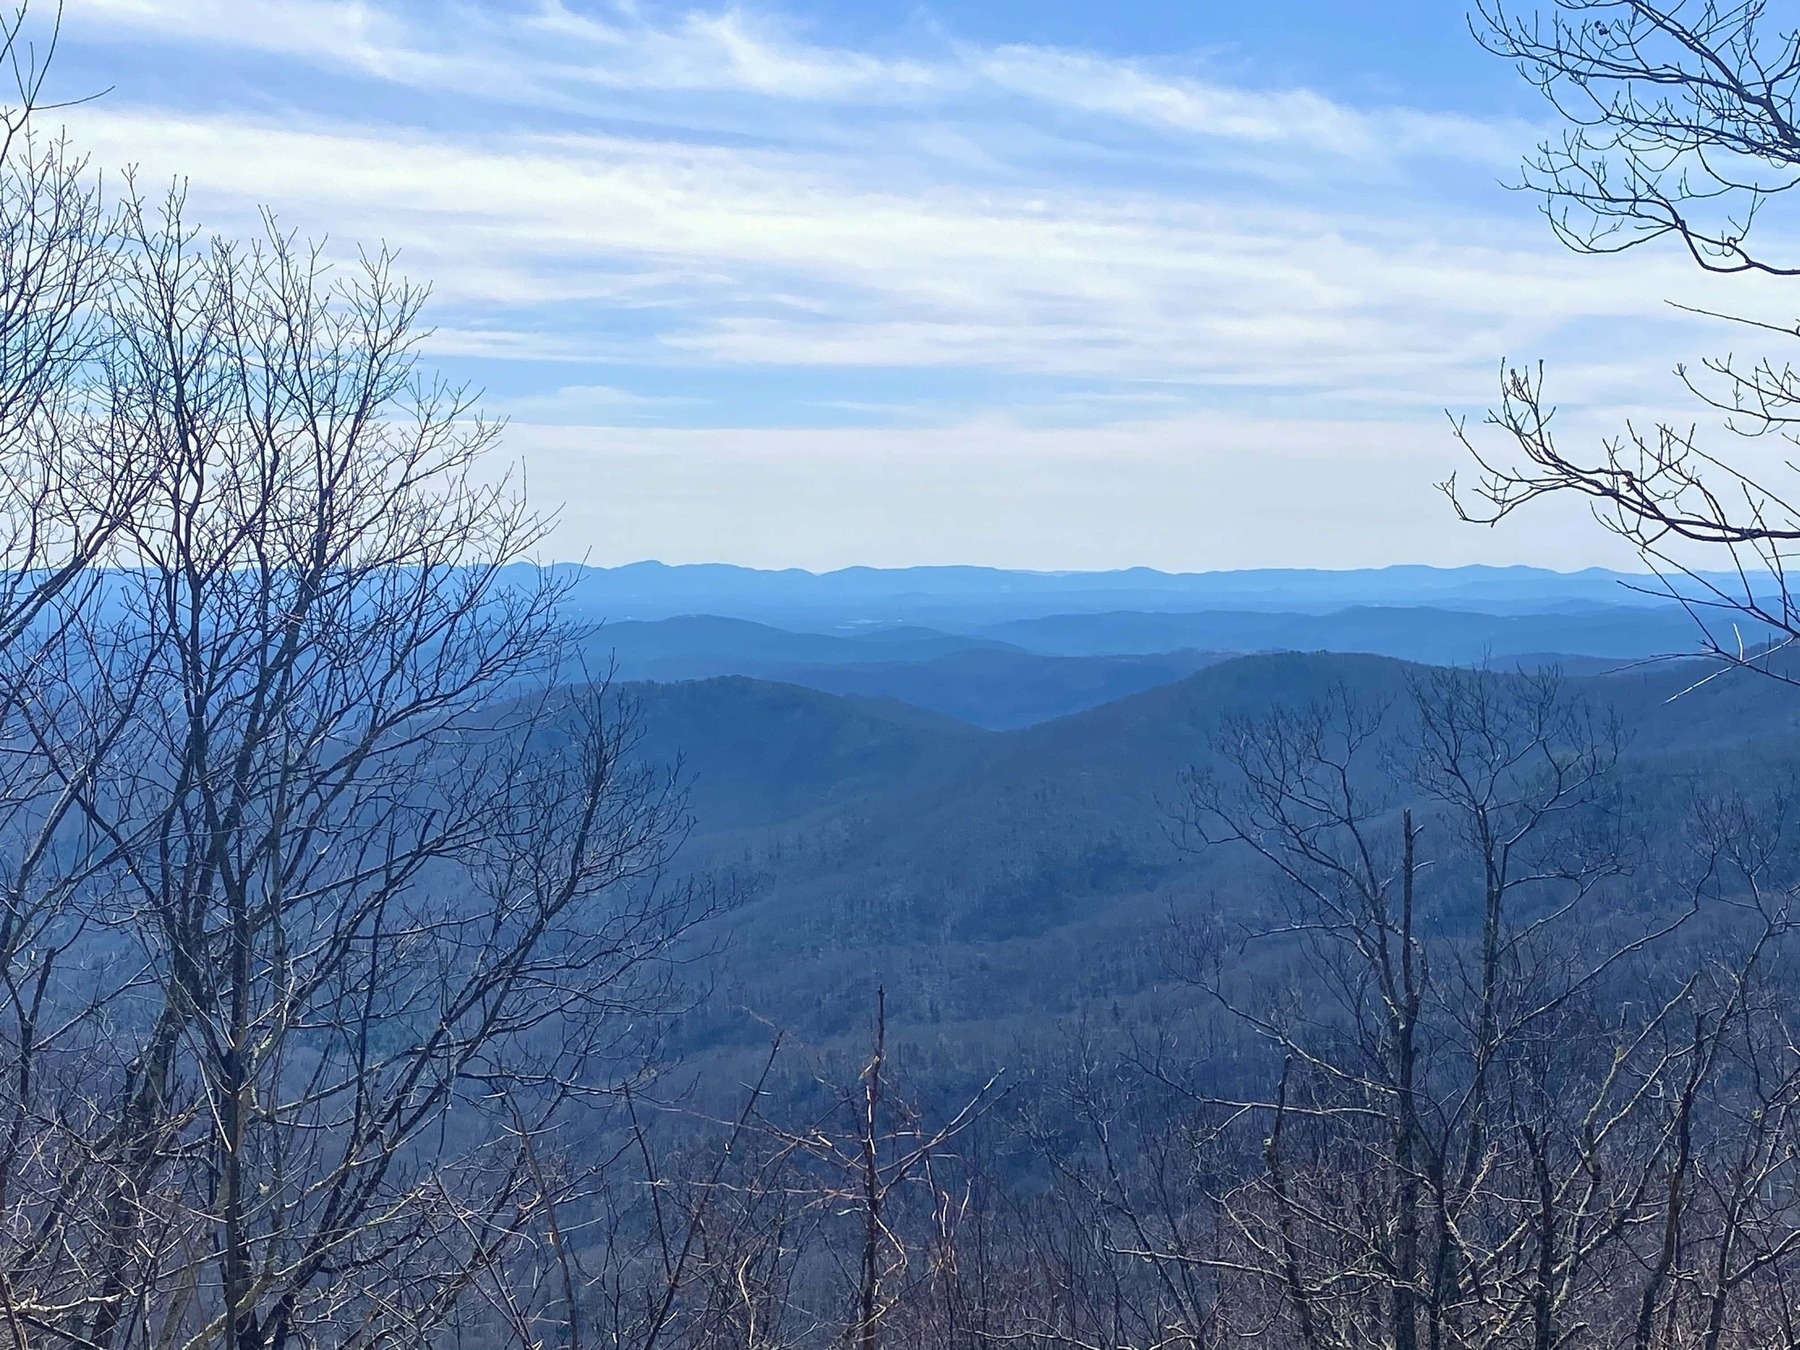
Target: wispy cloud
769	256
343	31
714	190
725	50
549	53
593	405
1280	118
538	51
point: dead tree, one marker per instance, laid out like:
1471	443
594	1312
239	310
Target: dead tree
869	1159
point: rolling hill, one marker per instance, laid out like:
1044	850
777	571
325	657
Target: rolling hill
1027	671
1002	688
995	881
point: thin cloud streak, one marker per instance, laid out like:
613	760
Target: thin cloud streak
548	52
765	257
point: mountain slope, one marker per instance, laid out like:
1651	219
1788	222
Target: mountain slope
1035	875
760	754
696	646
1004	688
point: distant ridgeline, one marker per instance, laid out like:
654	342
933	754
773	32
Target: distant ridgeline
1004	649
961	596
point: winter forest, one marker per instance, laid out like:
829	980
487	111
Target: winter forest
411	938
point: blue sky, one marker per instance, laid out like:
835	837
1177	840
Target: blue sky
1037	284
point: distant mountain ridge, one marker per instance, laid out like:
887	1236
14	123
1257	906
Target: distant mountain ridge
1024	671
960	597
979	680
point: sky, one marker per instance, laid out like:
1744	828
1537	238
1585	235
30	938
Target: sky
1034	283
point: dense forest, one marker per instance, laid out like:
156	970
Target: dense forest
392	957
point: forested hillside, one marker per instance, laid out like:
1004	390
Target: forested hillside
995	881
1223	906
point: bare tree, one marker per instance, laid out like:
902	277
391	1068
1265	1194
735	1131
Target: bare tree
1680	125
866	1153
68	478
1462	1144
363	906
